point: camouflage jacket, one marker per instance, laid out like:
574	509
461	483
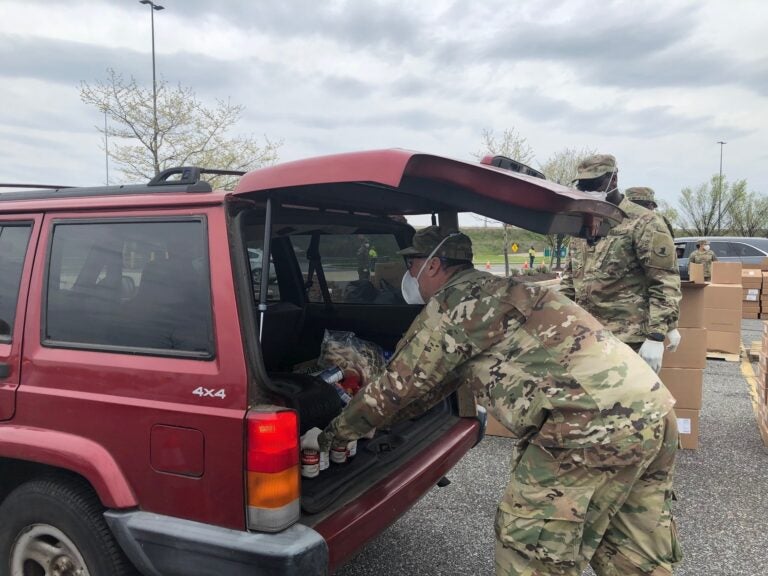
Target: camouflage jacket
545	368
705	257
628	280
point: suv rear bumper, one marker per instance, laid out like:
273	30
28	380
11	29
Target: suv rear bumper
166	546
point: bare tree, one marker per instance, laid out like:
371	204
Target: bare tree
700	207
512	144
749	212
561	167
187	132
509	143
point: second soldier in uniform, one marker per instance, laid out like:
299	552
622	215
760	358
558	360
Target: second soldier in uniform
703	255
628	280
597	437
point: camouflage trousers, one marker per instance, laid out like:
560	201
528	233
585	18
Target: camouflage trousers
608	506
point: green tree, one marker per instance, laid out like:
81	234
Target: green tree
748	212
187	131
707	209
669	213
561	167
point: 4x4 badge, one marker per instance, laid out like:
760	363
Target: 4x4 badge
209	392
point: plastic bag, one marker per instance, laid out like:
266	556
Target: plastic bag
358	358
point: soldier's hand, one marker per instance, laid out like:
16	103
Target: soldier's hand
652	352
674	340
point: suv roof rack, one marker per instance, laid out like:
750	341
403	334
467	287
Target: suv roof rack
189	181
512	166
188	175
52	186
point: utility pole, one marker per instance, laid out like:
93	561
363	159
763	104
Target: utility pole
720	191
153	8
106	144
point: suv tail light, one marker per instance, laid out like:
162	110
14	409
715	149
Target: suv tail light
272	469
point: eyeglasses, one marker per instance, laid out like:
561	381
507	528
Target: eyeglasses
409	261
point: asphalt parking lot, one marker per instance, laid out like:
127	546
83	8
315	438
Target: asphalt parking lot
722	491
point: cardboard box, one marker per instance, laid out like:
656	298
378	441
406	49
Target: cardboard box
726	273
750	294
692	352
495	428
722	296
728	342
688	428
751	278
692	306
722	320
685	384
765	279
750	315
764	316
696	273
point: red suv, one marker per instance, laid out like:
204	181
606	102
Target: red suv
157	345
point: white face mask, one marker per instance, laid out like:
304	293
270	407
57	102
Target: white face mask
410	285
706	246
601	194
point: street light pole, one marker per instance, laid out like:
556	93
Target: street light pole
153	7
720	190
106	144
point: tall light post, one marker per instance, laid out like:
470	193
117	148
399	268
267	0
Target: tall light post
720	189
153	7
106	144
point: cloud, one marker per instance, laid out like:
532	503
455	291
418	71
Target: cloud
68	62
612	118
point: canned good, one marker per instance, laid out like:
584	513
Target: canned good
324	460
339	455
345	397
331	375
352	449
310	463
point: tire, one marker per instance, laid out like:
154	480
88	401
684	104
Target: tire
57	521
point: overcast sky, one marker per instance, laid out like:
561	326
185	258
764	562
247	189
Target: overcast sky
655	83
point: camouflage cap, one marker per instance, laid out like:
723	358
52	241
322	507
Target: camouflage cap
641	193
458	246
595	166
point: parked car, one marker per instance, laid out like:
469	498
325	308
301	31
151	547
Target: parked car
154	424
727	249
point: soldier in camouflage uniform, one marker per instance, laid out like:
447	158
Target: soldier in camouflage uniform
703	256
596	433
628	280
645	197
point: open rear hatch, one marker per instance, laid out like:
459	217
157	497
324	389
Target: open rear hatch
368	189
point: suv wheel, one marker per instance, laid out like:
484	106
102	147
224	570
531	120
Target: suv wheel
55	527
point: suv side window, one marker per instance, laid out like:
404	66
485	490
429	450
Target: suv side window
359	268
741	249
138	285
13	247
721	249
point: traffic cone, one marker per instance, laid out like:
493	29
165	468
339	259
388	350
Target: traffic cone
488	265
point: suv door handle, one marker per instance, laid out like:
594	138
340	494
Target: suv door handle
5	370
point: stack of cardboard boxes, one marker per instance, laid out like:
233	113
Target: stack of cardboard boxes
764	293
762	386
723	300
751	290
682	371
